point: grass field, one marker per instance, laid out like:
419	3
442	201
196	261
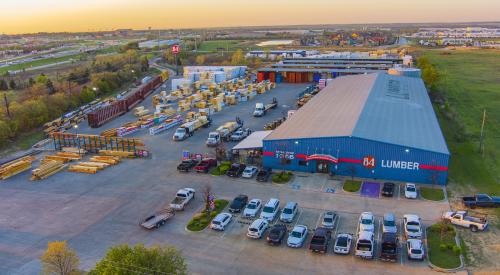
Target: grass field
441	246
432	194
470	82
213	45
37	63
352	186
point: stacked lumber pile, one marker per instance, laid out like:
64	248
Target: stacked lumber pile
89	167
123	154
109	133
112	160
62	157
15	167
74	150
46	169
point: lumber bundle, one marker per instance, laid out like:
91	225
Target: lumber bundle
109	133
62	157
116	153
82	169
46	169
98	165
74	150
106	159
15	167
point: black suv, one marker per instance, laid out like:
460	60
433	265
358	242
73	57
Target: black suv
238	203
187	165
236	170
263	175
276	234
388	189
390	245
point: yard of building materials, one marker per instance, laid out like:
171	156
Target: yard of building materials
96	211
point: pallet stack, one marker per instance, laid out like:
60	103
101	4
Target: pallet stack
109	133
15	167
47	169
111	160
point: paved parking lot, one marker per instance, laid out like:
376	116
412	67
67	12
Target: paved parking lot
94	212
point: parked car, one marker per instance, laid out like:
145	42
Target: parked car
221	221
389	224
365	245
257	228
366	222
329	219
389	247
276	234
412	226
410	191
187	165
481	200
462	218
238	203
388	189
205	165
263	175
415	249
236	170
270	210
289	212
320	240
343	244
158	219
249	172
182	198
297	236
240	134
252	208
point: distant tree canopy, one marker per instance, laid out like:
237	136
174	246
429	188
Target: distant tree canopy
124	260
430	74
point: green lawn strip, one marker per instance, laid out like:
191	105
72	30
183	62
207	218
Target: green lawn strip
443	251
352	186
433	194
37	63
282	177
221	169
200	220
213	45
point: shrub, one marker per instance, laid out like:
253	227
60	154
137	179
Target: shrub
450	245
442	247
282	177
457	250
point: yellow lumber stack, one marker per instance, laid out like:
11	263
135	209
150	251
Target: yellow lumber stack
106	159
98	165
62	157
116	153
109	133
15	167
46	169
74	150
82	169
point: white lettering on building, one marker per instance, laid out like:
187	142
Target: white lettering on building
399	164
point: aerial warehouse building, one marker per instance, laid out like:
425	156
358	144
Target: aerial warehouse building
374	126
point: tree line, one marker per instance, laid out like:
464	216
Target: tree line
44	99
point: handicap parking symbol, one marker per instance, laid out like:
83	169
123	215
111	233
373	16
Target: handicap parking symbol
330	190
296	186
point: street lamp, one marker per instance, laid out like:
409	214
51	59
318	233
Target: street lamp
93	89
76	129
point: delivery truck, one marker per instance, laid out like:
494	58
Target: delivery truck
261	109
187	129
223	132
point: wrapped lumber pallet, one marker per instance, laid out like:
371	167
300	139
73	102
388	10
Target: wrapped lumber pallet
116	153
106	159
74	150
69	155
82	169
47	169
56	158
15	167
98	165
109	133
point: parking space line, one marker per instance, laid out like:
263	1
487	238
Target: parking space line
401	243
336	226
298	218
399	191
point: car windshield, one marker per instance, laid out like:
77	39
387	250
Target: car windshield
252	229
389	223
248	170
287	211
410	188
366	221
216	222
179	131
364	246
412	229
327	220
413	224
342	241
389	248
252	206
416	251
268	209
296	234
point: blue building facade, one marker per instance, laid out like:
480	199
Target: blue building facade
356	157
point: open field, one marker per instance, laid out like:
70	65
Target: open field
37	63
230	45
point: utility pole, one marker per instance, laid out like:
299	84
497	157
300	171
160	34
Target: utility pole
481	138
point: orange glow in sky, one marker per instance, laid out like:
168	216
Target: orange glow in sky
22	16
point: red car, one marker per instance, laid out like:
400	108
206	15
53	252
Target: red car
205	165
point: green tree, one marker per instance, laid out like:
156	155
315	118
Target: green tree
238	58
3	85
123	259
4	133
59	259
50	86
42	79
87	95
144	63
12	84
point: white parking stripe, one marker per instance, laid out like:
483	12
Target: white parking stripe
298	218
402	242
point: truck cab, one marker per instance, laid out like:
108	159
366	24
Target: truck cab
183	197
181	134
213	139
259	110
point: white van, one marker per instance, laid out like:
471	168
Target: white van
257	229
365	246
270	210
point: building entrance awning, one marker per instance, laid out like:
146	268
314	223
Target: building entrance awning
322	157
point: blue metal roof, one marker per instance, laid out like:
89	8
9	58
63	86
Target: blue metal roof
378	107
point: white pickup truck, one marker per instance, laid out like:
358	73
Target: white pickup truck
461	218
183	197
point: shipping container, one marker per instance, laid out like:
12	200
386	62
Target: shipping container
260	76
272	77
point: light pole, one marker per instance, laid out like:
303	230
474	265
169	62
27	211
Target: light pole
76	129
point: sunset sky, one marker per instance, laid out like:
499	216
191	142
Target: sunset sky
22	16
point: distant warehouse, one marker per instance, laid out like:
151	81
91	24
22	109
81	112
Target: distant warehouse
376	126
